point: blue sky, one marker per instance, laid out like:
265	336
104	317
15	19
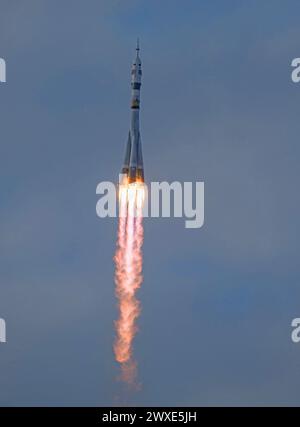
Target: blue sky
219	106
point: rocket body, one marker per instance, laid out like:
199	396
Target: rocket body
133	166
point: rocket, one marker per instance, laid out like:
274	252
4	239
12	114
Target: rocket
133	167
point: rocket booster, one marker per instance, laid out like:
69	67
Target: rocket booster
133	166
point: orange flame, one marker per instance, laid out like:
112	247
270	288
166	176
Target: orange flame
128	275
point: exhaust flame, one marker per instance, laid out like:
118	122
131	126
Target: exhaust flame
128	275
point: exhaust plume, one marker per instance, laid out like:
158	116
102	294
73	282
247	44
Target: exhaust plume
128	276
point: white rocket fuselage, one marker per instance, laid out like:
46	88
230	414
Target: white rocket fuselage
133	166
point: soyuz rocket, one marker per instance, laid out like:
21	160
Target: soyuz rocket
133	167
